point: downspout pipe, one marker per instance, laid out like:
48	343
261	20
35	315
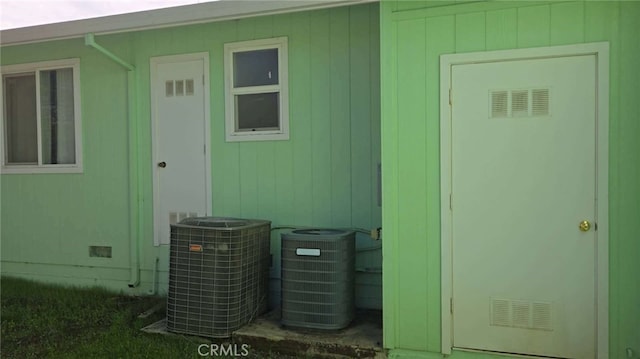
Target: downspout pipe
135	198
89	40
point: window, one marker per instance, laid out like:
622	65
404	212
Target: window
257	100
41	117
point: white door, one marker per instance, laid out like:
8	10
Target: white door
523	179
180	129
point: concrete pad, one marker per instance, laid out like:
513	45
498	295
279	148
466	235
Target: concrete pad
159	327
361	339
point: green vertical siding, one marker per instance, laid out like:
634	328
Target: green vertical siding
412	39
411	95
625	173
533	26
501	30
567	23
340	134
325	175
300	173
51	219
320	184
441	42
470	32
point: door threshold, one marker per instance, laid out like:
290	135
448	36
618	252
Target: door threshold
507	354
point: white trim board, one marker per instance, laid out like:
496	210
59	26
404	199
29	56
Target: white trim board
161	18
153	62
601	51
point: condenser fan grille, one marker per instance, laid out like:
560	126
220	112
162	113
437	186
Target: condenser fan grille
318	278
218	275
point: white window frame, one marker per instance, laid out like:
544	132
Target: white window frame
36	67
279	43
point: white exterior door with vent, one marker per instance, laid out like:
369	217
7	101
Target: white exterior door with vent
179	87
523	170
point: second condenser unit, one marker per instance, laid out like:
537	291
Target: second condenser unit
318	278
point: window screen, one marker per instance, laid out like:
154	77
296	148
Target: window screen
257	112
56	112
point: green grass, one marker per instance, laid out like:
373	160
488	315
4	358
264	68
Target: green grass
47	321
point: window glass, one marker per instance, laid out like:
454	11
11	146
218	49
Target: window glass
41	117
57	117
256	91
255	68
257	111
21	119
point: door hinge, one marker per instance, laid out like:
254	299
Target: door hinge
451	305
450	201
202	80
450	100
205	149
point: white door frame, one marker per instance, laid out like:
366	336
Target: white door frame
153	68
601	51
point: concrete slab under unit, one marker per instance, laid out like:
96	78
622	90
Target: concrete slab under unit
361	339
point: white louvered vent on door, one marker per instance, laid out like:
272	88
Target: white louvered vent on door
519	103
541	316
175	217
499	104
540	102
521	314
179	87
500	313
188	84
168	88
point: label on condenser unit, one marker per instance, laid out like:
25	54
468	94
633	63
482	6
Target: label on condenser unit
314	252
195	248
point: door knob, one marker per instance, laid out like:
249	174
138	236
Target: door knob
584	226
162	164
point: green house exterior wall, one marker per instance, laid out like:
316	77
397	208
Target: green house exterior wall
413	36
325	175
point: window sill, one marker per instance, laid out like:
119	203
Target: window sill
256	136
40	169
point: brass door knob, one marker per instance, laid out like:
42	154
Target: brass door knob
584	226
162	164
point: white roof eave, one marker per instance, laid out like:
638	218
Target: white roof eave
161	18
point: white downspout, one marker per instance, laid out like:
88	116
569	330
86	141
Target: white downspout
135	198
